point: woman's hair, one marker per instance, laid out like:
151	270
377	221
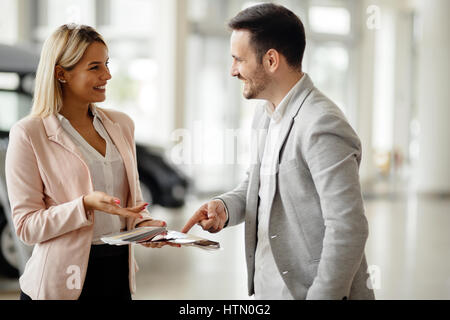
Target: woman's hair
65	47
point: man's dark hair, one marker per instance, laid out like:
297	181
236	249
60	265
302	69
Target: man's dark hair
273	27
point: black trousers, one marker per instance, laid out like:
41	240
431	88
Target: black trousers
107	274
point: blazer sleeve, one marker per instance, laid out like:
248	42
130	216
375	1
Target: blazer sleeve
33	221
332	152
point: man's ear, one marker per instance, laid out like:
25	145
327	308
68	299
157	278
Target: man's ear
271	60
60	74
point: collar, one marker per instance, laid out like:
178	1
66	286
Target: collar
92	109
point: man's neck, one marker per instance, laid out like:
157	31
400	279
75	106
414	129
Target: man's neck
283	86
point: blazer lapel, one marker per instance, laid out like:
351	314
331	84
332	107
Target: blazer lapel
292	110
258	141
115	132
56	133
257	144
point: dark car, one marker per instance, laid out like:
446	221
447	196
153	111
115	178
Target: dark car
161	182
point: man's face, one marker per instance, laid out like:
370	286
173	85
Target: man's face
246	66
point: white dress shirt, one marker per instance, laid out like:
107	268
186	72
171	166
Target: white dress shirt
267	279
108	175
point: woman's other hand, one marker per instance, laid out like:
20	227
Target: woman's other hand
100	201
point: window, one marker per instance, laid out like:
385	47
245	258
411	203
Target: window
215	99
8	21
13	107
332	20
328	66
131	29
53	13
330	48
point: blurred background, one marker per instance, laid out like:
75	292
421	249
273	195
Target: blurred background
384	62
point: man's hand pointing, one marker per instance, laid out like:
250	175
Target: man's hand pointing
210	216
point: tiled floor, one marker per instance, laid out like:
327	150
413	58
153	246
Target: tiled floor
409	245
408	250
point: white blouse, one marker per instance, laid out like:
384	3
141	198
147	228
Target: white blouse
108	175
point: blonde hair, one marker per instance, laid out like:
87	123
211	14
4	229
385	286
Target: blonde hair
65	47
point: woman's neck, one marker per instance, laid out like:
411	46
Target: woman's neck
76	113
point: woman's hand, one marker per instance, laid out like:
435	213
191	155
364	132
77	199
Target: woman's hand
102	202
155	223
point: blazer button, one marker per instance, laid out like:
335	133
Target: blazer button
285	273
274	236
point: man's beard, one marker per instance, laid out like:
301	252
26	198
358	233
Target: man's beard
258	84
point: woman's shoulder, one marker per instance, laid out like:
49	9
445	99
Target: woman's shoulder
30	125
117	117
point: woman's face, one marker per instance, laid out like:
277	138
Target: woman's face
86	82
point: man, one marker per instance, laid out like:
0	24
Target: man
305	229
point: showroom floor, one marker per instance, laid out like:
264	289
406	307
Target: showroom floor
407	251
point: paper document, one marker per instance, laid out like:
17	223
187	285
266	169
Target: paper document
187	240
159	234
137	235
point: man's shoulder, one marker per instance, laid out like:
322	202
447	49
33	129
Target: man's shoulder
319	114
318	105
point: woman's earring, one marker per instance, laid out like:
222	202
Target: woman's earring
62	81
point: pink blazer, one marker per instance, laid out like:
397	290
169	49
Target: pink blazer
46	178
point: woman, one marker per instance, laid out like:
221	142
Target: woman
69	167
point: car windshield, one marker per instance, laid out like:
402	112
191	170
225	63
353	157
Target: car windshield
13	107
15	98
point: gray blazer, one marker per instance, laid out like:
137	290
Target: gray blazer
317	227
